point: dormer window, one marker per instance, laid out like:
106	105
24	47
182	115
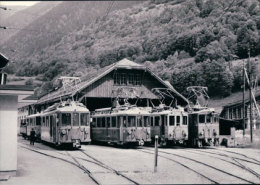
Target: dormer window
127	79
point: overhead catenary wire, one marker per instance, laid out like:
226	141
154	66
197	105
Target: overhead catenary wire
109	8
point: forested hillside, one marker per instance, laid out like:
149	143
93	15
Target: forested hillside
185	42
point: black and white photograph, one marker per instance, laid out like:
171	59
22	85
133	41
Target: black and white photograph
129	92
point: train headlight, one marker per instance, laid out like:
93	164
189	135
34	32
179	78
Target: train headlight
184	134
170	135
63	132
214	133
129	132
201	134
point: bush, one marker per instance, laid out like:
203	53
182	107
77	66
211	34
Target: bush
29	81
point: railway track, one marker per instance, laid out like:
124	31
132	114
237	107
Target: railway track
237	153
76	161
204	176
110	168
150	151
236	163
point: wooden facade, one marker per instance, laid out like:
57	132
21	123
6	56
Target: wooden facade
124	79
234	111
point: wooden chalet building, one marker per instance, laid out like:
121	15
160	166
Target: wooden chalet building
234	111
124	79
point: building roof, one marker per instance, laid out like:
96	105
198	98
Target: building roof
32	97
3	60
93	77
16	89
239	98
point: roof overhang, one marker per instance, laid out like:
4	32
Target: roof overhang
16	90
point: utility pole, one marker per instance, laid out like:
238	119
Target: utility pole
244	107
250	97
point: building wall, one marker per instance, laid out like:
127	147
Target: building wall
236	113
107	88
8	133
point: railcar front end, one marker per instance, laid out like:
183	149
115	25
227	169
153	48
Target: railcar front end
170	125
203	128
67	123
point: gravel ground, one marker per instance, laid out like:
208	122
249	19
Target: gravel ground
37	169
176	165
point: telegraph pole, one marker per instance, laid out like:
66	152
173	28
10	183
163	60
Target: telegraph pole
250	97
244	87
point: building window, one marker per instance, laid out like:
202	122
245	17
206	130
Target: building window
138	80
127	79
131	79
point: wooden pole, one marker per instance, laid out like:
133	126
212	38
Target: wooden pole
155	153
250	97
244	107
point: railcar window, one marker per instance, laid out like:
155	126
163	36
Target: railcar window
47	121
118	121
201	118
65	119
94	122
185	120
84	119
113	121
156	121
178	120
75	119
103	122
146	121
108	122
172	120
131	121
98	122
139	121
31	121
208	118
38	121
152	121
165	120
43	121
124	121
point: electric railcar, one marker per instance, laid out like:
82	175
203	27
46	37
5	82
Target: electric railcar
31	122
124	125
170	124
66	123
203	127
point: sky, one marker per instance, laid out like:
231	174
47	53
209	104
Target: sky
18	3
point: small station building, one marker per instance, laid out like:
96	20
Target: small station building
8	122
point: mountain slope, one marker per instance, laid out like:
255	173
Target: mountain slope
21	19
50	28
177	37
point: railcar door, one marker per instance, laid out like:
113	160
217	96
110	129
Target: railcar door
120	127
193	128
55	128
162	125
51	128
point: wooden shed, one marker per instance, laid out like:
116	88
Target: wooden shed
123	79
